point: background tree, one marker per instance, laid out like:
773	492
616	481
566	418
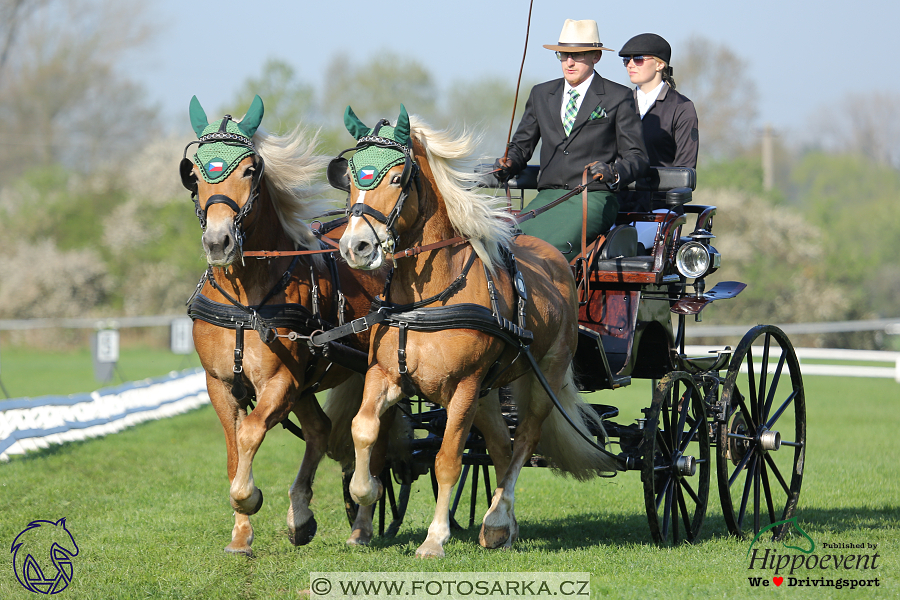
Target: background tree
866	123
375	89
716	80
288	100
62	97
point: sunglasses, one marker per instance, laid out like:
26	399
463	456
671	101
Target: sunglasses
576	56
638	60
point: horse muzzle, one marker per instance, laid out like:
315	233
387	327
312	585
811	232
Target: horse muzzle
361	250
220	244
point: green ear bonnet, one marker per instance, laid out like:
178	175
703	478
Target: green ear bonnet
224	143
378	149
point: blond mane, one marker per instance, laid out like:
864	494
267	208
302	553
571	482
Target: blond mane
292	171
481	218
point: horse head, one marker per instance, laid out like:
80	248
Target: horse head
224	178
378	178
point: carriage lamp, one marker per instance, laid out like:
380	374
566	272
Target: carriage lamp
697	259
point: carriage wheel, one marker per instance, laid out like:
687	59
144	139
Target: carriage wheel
762	441
676	460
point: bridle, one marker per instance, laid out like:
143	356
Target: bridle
189	181
339	178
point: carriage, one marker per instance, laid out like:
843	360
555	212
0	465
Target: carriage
742	407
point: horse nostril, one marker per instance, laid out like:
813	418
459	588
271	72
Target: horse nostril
226	244
363	248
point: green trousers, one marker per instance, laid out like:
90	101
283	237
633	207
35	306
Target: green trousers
561	225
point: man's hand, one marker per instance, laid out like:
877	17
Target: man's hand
603	172
502	168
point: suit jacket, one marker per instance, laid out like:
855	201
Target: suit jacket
616	137
670	130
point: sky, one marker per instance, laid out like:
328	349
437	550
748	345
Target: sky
802	55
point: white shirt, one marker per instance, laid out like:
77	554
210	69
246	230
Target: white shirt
581	88
645	101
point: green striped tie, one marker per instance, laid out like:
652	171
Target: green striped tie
571	111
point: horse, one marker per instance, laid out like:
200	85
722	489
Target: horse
448	333
252	191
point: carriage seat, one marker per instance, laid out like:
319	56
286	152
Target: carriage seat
658	179
622	252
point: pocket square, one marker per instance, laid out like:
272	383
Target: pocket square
598	113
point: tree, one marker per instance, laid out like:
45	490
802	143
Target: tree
287	100
716	80
485	105
853	200
376	88
62	98
867	124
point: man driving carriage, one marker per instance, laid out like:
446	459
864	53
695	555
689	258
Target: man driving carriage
581	119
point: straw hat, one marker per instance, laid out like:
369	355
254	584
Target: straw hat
578	36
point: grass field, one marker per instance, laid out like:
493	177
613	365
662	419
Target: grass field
149	510
27	372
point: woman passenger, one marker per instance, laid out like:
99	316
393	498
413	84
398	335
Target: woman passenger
669	119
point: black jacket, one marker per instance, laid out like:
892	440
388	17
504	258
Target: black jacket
670	130
616	137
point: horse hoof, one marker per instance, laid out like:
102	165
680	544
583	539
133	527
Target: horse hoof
241	550
304	534
359	538
427	550
493	537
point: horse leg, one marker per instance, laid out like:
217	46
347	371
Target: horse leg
316	426
489	421
363	527
379	394
230	415
273	406
499	527
448	464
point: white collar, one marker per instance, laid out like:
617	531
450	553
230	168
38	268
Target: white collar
645	101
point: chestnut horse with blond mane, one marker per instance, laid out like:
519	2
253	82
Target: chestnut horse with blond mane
252	192
449	331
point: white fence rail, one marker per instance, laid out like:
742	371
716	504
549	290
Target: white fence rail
832	354
32	423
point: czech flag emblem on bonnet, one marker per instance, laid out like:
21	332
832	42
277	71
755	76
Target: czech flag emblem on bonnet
367	173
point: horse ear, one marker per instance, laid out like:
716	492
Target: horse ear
356	127
198	116
401	131
253	118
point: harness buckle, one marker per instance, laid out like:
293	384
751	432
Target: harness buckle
355	322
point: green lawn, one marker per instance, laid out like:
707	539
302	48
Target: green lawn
27	372
149	510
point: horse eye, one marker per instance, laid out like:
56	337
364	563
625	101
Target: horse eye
395	180
249	171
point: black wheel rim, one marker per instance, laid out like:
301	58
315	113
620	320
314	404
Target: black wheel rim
762	440
676	434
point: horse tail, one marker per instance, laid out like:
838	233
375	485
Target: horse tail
568	451
341	406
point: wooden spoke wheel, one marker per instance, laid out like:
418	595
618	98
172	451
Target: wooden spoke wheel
675	466
762	441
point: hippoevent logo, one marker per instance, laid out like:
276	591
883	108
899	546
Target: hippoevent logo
809	568
42	556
